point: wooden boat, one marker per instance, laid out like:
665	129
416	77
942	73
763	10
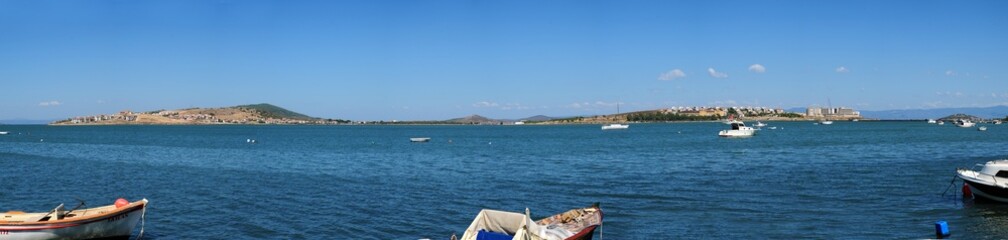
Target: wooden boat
106	222
575	224
420	139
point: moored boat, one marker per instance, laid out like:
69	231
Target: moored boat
738	129
3	133
575	224
964	123
990	183
982	128
759	124
615	126
420	139
106	222
931	121
825	122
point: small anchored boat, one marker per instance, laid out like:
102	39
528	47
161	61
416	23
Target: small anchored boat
964	123
106	222
420	139
615	126
759	124
990	183
982	128
575	224
738	129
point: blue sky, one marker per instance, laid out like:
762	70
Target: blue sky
426	60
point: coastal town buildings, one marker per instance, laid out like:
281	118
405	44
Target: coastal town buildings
832	113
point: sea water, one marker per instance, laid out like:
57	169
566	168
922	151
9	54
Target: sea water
654	181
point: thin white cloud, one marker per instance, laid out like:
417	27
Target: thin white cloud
673	74
950	73
50	103
757	68
716	74
485	104
842	69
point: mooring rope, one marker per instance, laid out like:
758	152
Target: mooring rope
143	221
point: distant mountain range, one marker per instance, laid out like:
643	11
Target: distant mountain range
477	119
244	114
985	112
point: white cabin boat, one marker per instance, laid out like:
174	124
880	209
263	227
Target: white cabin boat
931	121
964	123
982	128
3	133
738	129
990	183
941	123
615	126
420	139
106	222
759	124
825	122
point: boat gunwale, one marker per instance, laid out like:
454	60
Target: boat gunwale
65	222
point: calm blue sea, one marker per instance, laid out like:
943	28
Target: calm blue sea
678	180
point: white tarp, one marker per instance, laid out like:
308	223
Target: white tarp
514	224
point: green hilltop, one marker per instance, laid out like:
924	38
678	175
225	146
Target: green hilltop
270	111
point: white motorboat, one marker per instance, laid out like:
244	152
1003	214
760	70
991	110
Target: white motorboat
738	129
941	123
759	124
420	139
964	123
990	183
997	122
4	133
931	121
982	128
615	126
825	122
106	222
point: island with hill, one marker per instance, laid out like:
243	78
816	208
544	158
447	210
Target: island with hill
244	114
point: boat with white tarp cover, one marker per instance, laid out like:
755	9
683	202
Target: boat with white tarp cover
575	224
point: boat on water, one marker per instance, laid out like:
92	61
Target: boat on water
990	183
941	123
964	123
106	222
759	124
825	122
4	133
575	224
982	128
931	121
420	139
615	126
738	129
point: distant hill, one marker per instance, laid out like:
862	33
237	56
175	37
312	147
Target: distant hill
245	114
986	112
473	119
537	118
267	110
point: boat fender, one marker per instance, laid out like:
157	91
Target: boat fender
942	229
967	193
121	203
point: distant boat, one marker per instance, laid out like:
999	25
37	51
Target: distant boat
738	129
825	122
773	128
997	122
575	224
615	126
964	123
106	222
984	184
931	121
941	123
420	139
759	124
855	120
982	128
3	133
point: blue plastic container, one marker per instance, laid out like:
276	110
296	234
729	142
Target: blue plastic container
942	229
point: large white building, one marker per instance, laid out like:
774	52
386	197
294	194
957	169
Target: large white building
840	112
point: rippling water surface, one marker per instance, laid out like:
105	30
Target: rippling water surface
679	180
